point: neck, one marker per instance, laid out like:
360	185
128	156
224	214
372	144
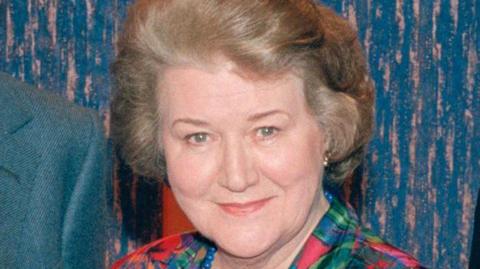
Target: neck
283	256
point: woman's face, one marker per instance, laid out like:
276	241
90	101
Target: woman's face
244	158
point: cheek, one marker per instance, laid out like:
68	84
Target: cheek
296	161
190	175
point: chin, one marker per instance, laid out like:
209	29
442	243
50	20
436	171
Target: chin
243	251
246	244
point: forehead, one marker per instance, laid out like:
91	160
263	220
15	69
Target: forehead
194	90
222	93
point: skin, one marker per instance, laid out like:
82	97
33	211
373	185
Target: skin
244	159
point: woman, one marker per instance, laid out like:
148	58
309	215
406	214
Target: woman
247	106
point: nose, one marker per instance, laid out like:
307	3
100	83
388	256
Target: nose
238	165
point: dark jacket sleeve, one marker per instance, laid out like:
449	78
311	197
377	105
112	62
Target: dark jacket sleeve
84	234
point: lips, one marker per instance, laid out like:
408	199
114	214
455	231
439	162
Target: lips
243	209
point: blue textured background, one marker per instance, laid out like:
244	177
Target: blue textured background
419	183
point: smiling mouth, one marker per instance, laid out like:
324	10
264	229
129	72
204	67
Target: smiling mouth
243	209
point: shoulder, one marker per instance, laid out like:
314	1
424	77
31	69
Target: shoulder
370	250
355	246
52	115
177	250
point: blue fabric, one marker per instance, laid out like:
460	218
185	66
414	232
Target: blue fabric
53	184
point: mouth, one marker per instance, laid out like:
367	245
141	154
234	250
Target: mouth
243	209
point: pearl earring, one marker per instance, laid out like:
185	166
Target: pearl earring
325	160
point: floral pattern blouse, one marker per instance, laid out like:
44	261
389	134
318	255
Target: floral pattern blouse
338	241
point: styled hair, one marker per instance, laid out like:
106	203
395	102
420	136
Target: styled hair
262	37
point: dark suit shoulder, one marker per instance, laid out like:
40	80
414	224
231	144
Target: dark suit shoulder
52	168
53	111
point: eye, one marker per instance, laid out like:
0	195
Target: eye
197	138
266	132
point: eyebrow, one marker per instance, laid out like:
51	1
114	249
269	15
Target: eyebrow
190	121
253	117
265	114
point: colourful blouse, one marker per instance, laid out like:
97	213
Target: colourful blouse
338	241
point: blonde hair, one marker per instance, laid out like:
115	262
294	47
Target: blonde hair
264	37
